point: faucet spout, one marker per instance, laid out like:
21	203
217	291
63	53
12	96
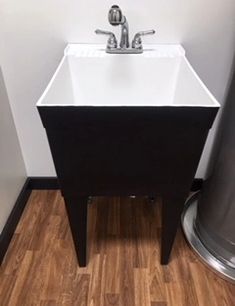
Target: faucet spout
124	42
116	18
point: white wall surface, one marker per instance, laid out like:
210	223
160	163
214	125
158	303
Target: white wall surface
12	169
36	32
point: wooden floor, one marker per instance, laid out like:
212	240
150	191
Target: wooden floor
40	267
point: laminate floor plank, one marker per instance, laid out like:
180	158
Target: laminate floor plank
40	267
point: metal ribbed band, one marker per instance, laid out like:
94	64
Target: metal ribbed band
216	263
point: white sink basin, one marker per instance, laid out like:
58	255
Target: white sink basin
161	76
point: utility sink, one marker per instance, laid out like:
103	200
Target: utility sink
125	124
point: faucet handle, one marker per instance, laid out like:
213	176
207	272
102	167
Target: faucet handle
137	41
112	41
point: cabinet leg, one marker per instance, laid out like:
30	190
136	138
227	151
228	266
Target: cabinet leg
171	212
77	214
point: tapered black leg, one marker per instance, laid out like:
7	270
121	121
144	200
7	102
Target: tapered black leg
171	212
77	213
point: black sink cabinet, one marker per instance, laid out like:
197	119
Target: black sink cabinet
122	151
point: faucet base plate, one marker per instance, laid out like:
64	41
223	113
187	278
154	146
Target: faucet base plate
124	51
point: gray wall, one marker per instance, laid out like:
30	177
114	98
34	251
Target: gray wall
12	169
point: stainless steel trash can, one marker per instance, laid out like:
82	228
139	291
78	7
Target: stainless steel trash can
209	220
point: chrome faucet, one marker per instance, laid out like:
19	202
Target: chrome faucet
115	18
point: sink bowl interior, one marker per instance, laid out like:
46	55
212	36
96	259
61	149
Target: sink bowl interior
153	78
